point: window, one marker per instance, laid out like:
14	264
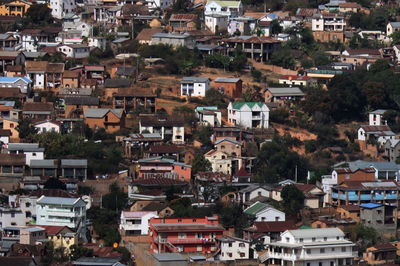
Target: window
241	245
301	240
242	254
287	239
337	238
230	245
308	251
325	239
313	239
12	215
319	263
322	250
308	264
181	235
333	249
229	254
343	249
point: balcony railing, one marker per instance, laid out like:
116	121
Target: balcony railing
185	240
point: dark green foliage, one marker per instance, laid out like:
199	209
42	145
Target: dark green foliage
188	114
203	134
200	164
283	58
279	116
276	28
364	236
85	190
116	199
78	251
310	146
54	183
292	199
39	14
25	128
256	75
105	224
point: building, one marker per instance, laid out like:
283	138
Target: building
209	115
57	211
169	127
12	165
248	114
216	23
76	51
184	234
135	223
392	150
292	80
225	8
15	8
231	87
383	170
328	27
380	254
32	151
376	117
134	99
251	192
233	248
263	212
349	7
60	8
173	39
378	134
194	86
381	217
61	237
38	111
24	84
283	95
323	246
183	22
222	162
245	25
47	126
257	48
111	120
392	27
265	232
74	168
314	196
159	168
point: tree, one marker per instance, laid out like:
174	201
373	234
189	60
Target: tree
283	58
54	183
25	128
276	28
116	199
188	114
200	164
39	14
395	36
292	199
203	134
78	251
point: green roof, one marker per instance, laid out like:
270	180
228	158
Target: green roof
239	105
305	227
256	208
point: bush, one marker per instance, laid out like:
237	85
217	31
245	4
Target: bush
279	116
310	146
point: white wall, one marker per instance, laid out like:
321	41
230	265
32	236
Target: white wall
270	215
232	251
47	127
377	121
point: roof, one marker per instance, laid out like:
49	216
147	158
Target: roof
256	208
169	257
12	159
242	173
136	214
380	166
171	35
349	5
5	132
227	139
147	33
57	201
36	66
164	149
377	129
54	229
395	24
71	74
74	162
239	105
182	227
251	39
10	93
227	80
286	91
316	232
214	177
274	227
155	206
43	164
351	208
97	261
135	92
101	112
25	147
294	77
194	79
37	107
158	182
370	205
378	111
17	261
126	71
226	3
81	100
183	17
50	193
161	120
253	187
117	83
382	247
14	79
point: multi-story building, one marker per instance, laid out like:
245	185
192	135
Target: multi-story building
59	211
60	8
184	234
32	151
194	86
209	115
231	87
233	248
159	167
224	8
328	27
311	247
248	114
134	99
383	218
169	127
135	223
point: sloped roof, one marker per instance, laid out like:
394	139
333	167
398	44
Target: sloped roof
147	33
256	208
239	105
57	201
101	112
183	17
286	91
272	227
37	106
36	66
81	100
317	232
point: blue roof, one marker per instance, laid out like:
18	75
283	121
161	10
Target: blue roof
14	79
370	205
272	16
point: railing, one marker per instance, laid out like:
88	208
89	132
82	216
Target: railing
184	240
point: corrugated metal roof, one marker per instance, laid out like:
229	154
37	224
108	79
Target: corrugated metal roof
74	162
101	112
317	232
43	163
57	201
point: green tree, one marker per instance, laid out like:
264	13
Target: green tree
203	134
395	36
276	28
25	128
54	183
292	199
39	14
116	199
200	164
283	58
78	251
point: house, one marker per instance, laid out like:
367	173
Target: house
36	71
225	8
383	170
292	80
161	168
323	246
32	39
32	151
209	115
8	41
379	216
12	165
168	151
378	134
216	23
74	168
231	87
257	48
76	51
314	196
11	124
376	117
359	192
248	114
245	25
111	120
24	84
75	105
242	176
169	127
7	58
349	7
135	99
183	22
184	234
15	8
229	146
194	86
360	57
221	162
392	27
60	8
263	212
58	211
80	26
161	208
328	27
47	126
61	236
233	248
43	168
344	224
135	223
349	212
284	95
97	42
265	232
380	254
251	192
4	136
173	39
144	36
71	79
392	149
54	73
38	111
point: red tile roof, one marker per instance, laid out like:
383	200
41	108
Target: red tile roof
274	227
242	173
183	17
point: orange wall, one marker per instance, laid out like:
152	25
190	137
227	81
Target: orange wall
101	122
70	83
11	125
356	176
183	172
233	90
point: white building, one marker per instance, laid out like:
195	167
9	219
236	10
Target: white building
224	8
59	211
265	213
136	223
248	114
392	27
4	136
23	83
60	8
166	127
83	27
209	115
251	192
311	247
32	151
47	126
153	4
328	22
76	51
216	23
11	217
99	42
194	86
233	248
221	162
376	117
380	134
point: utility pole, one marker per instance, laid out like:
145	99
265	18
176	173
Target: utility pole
295	174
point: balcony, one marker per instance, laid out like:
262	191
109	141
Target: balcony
184	240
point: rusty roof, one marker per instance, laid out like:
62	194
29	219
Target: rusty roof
36	66
183	17
12	159
135	92
37	106
251	39
147	33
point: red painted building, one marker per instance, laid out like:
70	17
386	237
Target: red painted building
184	234
159	167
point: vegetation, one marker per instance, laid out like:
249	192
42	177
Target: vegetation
292	199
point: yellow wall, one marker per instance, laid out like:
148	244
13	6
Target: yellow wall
5	9
11	125
60	241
